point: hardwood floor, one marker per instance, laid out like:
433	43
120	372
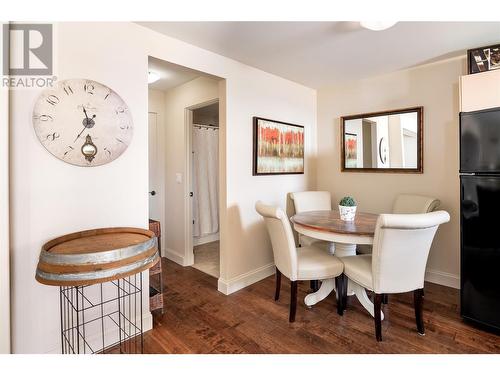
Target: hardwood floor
199	319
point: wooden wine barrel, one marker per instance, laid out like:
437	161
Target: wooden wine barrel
96	256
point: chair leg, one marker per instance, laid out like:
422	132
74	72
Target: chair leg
385	299
314	285
418	302
339	286
343	293
278	285
293	301
377	304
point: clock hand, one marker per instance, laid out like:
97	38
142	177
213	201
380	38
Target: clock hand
79	134
87	117
88	123
85	112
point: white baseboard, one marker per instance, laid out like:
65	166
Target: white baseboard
239	282
95	341
248	278
174	257
442	278
147	321
205	239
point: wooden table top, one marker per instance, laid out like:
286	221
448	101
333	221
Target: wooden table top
329	221
97	240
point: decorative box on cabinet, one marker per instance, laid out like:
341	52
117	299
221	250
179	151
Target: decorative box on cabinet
480	91
155	273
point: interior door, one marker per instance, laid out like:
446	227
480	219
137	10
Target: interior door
154	186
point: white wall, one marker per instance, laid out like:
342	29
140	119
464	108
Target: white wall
269	97
4	218
433	86
50	197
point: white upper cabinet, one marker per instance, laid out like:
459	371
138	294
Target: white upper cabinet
480	91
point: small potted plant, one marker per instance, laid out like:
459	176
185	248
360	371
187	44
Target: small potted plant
347	208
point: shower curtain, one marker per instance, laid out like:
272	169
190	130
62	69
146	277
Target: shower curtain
205	181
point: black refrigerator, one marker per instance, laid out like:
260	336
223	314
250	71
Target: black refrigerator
480	217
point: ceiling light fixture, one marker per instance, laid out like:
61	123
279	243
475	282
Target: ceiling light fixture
377	25
153	77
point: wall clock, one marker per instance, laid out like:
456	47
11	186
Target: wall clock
382	150
83	122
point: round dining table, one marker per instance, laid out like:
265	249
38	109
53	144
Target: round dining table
343	237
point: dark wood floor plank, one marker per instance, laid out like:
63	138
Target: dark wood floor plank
199	319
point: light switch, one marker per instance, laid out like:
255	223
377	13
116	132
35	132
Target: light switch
178	178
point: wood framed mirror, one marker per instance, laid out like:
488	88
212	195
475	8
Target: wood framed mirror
387	141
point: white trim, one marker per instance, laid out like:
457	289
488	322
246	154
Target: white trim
175	257
239	282
442	278
206	239
188	201
246	279
223	207
5	329
95	341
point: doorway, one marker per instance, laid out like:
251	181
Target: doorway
203	124
184	108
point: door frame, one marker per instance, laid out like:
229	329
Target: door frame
188	201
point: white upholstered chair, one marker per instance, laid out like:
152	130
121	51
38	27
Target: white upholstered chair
400	250
309	263
304	201
407	204
311	201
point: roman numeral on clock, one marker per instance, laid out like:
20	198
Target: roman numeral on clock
53	100
68	90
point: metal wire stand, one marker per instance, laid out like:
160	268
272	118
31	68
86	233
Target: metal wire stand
103	318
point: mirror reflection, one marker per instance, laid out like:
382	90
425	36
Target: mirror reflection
386	140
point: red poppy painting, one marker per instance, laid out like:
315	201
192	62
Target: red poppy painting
278	147
351	150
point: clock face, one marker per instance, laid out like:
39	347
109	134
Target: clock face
83	122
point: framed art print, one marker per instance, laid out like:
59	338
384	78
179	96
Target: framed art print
483	59
278	147
351	150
